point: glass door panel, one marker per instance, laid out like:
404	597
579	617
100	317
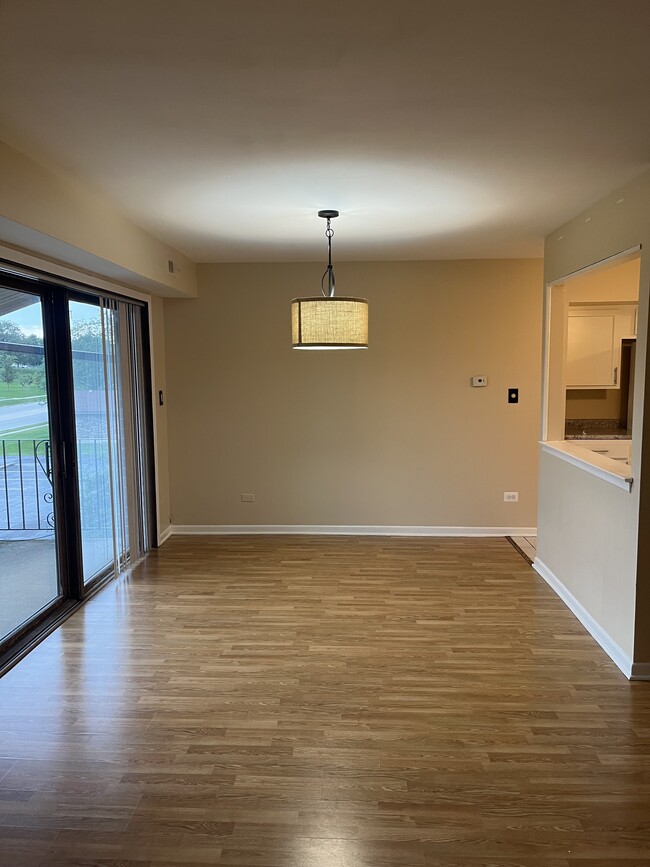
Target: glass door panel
29	579
99	430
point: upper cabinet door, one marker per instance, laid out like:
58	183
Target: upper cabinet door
590	361
594	336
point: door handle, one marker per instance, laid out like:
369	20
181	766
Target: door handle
616	376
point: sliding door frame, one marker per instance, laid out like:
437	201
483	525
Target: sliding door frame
55	293
147	385
67	453
90	295
58	389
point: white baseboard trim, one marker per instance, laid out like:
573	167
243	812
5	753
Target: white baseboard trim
640	671
611	648
166	533
342	530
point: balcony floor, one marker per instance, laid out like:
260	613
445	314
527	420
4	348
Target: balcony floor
28	578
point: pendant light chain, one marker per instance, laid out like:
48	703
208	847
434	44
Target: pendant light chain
329	271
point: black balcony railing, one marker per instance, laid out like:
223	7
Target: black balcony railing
26	498
26	495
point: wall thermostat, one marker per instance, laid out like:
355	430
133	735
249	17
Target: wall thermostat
479	381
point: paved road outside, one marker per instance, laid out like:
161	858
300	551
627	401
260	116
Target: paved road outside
22	415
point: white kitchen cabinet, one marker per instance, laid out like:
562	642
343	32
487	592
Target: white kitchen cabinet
594	337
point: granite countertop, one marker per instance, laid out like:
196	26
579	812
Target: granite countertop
618	434
595	429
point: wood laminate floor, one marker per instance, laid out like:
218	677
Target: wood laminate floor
324	702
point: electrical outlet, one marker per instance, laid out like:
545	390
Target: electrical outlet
513	395
248	498
511	496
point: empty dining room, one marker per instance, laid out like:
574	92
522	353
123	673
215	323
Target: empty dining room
315	551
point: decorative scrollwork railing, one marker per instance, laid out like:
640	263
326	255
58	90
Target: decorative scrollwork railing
26	495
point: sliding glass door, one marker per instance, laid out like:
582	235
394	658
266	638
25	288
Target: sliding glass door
76	468
99	430
29	575
110	407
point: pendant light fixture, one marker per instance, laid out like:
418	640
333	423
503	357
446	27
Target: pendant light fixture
328	322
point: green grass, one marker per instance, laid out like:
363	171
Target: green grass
26	435
15	392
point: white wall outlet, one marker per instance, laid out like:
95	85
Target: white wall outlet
511	496
248	498
479	381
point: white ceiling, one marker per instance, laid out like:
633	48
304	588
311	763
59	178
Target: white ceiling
463	128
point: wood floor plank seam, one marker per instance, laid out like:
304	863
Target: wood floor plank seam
324	702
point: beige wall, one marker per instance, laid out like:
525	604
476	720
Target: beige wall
584	509
593	403
60	219
618	282
391	436
617	592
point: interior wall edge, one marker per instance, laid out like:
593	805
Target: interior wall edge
611	648
165	534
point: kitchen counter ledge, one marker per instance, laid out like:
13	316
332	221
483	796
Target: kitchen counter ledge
607	469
